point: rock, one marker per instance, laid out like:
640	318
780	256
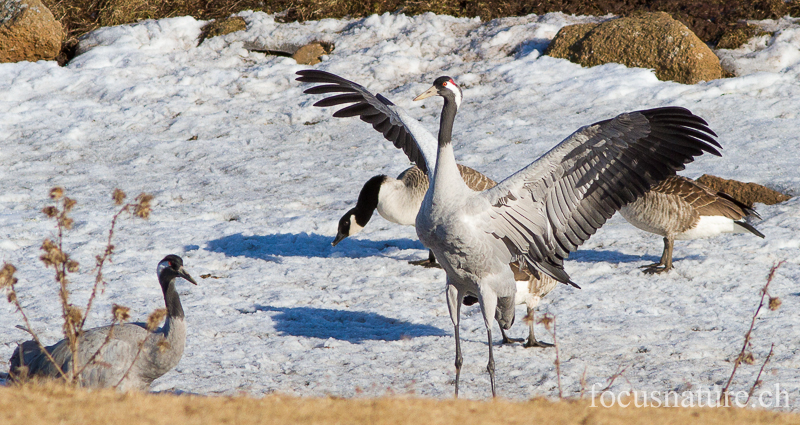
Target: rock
307	54
28	32
646	40
746	193
222	27
311	52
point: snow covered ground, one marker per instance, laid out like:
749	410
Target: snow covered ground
250	180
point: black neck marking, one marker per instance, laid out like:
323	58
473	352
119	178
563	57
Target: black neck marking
368	200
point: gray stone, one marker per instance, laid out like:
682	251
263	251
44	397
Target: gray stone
645	40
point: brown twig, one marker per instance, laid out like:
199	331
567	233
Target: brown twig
118	196
742	354
583	383
617	374
62	264
109	335
120	314
13	294
549	320
558	360
757	383
136	357
74	319
152	324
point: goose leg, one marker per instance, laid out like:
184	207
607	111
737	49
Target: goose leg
430	262
665	264
532	341
454	299
507	340
669	243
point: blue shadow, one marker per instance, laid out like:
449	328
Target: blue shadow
271	247
597	256
351	326
527	47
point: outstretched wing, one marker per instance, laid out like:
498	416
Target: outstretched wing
549	208
392	121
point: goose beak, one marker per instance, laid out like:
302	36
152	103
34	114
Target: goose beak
428	93
182	273
338	239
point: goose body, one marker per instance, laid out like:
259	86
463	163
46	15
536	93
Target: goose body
531	288
398	201
681	208
161	352
539	214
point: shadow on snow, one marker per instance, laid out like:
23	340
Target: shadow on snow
351	326
598	256
271	247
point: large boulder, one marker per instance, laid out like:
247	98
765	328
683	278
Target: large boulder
28	31
645	40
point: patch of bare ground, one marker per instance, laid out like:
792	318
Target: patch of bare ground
34	405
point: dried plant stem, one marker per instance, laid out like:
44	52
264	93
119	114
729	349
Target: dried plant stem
135	358
97	352
55	256
101	260
71	332
152	324
558	361
742	353
549	322
583	383
757	383
617	374
35	338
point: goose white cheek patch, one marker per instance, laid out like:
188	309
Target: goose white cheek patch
354	226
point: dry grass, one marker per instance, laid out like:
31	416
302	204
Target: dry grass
34	405
708	19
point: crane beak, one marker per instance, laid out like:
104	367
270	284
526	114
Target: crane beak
428	93
182	273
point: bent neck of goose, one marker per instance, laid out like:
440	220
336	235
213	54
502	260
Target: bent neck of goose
171	298
368	200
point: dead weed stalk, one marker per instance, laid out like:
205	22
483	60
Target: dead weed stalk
549	322
74	318
745	355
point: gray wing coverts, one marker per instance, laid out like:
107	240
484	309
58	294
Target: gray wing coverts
106	370
549	208
373	109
